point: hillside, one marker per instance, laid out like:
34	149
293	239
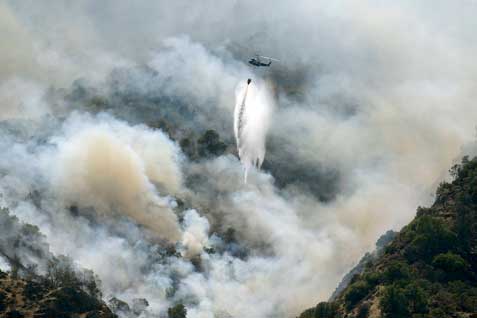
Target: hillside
20	297
428	270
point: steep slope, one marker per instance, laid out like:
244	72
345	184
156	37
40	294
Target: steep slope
428	270
29	298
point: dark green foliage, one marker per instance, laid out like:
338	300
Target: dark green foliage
445	300
322	310
466	205
355	292
429	269
96	104
325	310
396	271
467	299
385	239
309	313
230	236
189	147
416	298
394	303
453	266
373	278
443	190
209	144
428	236
178	311
363	310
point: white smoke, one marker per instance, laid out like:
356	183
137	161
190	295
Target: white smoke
111	167
22	99
356	87
196	233
253	109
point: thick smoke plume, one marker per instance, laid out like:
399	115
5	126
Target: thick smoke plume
373	102
110	167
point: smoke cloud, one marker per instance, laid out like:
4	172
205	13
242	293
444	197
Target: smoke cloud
111	167
373	102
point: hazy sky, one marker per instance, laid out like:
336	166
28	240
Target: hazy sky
374	102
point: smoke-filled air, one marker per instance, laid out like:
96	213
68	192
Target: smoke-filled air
128	128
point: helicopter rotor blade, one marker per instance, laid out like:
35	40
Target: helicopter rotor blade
269	58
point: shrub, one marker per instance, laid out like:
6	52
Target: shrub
210	144
453	265
396	271
445	301
178	311
325	310
322	310
429	236
394	303
373	278
363	311
309	313
417	298
356	292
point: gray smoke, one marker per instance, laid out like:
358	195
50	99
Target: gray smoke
374	101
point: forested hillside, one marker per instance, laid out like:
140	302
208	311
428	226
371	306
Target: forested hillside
429	269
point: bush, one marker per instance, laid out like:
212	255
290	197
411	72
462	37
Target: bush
322	310
454	267
445	301
417	299
356	292
428	236
210	144
309	313
396	271
363	311
373	278
325	310
178	311
467	295
450	262
394	303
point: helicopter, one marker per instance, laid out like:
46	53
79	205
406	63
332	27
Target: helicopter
255	61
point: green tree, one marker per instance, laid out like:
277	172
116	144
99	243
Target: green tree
453	266
325	310
356	292
429	236
395	271
210	144
394	303
417	298
177	311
